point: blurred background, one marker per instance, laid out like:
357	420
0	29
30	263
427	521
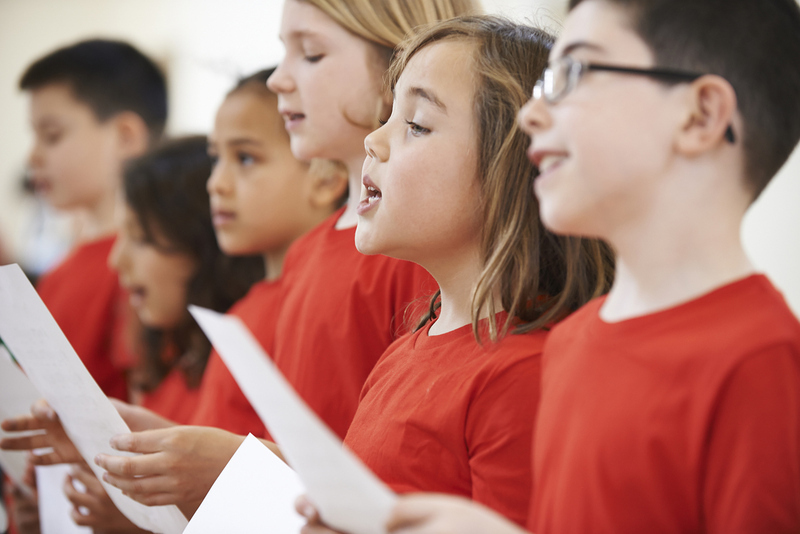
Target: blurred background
203	46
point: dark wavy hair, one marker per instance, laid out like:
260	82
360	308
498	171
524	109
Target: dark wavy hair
166	189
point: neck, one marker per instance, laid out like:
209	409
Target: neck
457	274
98	219
670	256
273	263
349	218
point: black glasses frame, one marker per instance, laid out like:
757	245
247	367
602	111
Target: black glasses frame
658	73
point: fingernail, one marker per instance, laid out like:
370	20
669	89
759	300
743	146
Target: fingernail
105	477
307	510
98	459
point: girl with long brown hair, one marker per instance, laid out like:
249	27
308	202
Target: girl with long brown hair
450	408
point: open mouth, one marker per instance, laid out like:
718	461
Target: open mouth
372	197
136	295
221	217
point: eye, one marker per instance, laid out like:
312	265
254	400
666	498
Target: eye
214	159
416	129
382	122
245	160
52	137
314	59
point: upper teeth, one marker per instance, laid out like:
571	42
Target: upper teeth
548	162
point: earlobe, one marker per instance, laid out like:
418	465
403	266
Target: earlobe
712	109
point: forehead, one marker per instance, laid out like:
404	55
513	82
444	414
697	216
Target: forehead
57	100
601	29
446	68
303	20
250	112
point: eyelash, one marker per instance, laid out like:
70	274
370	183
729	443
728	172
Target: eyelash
416	129
314	59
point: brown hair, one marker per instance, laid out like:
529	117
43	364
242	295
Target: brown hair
539	277
754	44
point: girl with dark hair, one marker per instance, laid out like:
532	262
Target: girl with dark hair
167	257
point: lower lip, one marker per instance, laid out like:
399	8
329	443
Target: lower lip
223	219
550	170
366	206
137	299
293	124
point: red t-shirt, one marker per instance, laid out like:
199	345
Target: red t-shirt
445	414
84	296
172	398
221	402
684	420
340	312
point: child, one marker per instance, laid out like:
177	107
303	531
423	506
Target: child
93	105
341	309
451	407
167	257
262	199
671	405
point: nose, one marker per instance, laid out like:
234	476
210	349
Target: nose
35	157
534	116
219	183
376	144
281	80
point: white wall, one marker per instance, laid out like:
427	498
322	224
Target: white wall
205	44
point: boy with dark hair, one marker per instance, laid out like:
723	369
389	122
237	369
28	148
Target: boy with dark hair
672	404
93	105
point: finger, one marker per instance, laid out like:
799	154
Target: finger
84	520
25	443
306	509
141	486
21	423
50	458
155	499
132	466
147	441
89	480
43	411
78	498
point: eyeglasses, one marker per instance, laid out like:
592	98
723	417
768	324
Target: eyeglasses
563	75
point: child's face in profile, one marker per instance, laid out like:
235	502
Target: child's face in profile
155	277
259	192
329	85
602	147
74	160
420	198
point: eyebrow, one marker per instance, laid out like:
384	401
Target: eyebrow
242	141
427	95
570	48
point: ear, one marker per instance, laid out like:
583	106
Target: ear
328	183
712	110
133	137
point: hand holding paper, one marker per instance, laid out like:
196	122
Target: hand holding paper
178	465
348	495
52	436
47	358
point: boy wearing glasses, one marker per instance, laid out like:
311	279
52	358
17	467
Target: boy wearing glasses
673	404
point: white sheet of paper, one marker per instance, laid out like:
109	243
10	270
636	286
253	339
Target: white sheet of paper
255	493
348	496
17	394
36	341
54	507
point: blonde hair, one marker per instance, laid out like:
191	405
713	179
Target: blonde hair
388	22
539	277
